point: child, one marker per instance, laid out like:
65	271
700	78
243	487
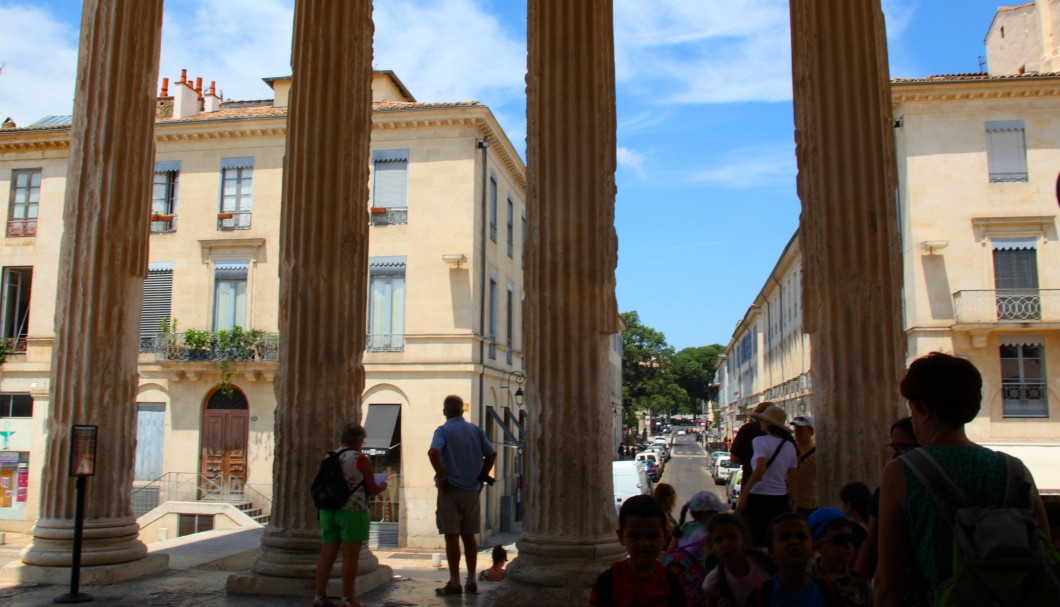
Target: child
496	573
835	537
692	536
791	547
740	568
640	579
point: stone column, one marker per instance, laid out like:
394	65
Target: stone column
102	265
323	282
852	268
571	252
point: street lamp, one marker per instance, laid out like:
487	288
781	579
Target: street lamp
520	379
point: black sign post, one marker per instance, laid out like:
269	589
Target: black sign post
82	466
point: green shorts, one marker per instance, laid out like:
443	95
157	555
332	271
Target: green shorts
344	525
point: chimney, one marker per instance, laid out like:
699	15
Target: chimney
185	99
165	87
211	101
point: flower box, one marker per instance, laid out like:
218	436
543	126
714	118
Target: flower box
224	215
378	210
161	217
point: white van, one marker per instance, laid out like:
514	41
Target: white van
629	479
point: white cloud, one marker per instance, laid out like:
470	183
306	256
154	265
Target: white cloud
751	168
632	160
39	55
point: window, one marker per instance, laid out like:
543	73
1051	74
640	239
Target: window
1006	151
157	300
237	193
1016	279
1023	388
25	197
386	304
493	208
493	315
14	309
16	405
188	524
230	295
511	227
511	323
164	196
390	190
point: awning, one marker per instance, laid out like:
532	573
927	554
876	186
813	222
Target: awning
381	425
167	166
242	162
1013	244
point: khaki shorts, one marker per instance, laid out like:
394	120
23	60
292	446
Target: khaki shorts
458	512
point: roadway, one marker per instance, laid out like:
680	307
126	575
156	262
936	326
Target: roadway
687	471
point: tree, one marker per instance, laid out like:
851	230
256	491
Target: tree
647	383
693	369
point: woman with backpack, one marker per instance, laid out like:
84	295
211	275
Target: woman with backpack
765	495
916	538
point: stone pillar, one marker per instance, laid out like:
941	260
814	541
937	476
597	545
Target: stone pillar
102	265
323	283
852	268
571	252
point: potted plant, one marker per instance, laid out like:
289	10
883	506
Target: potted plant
198	343
225	215
378	210
161	217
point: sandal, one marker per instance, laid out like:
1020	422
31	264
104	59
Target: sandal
471	587
447	589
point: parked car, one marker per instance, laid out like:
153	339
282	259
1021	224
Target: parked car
733	488
629	478
653	460
663	452
723	469
712	458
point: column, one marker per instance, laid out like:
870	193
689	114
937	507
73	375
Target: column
571	252
852	279
102	265
323	281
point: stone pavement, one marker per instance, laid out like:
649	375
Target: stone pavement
199	568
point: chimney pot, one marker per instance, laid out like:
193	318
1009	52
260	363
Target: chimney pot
184	76
165	87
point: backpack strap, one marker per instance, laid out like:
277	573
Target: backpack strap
605	593
677	591
723	583
1018	487
946	494
806	455
775	453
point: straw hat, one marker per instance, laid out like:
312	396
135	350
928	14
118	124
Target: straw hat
774	416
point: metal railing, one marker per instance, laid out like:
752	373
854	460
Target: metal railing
1024	399
192	487
163	226
385	342
392	216
174	346
22	227
239	220
994	305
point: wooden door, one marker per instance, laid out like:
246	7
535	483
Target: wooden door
225	428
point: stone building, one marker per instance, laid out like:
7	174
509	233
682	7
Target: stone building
977	158
448	215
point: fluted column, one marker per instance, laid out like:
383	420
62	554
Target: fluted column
571	251
323	268
849	232
102	265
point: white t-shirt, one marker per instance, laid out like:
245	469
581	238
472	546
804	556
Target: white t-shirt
775	479
739	587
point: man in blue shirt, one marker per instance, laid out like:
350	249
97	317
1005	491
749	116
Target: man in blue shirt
462	458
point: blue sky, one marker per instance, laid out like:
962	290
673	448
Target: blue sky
706	177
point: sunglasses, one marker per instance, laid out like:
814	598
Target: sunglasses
840	540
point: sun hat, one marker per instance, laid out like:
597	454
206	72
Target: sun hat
822	518
705	501
774	416
802	420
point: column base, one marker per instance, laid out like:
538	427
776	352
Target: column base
104	542
554	571
252	583
97	575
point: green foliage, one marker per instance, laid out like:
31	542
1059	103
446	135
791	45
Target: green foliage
198	339
6	348
656	378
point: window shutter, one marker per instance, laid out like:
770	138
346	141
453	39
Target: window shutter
1015	269
158	296
1006	150
391	176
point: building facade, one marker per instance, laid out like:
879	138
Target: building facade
448	223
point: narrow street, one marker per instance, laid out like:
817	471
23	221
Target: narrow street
687	471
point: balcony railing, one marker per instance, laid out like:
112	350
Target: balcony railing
164	226
1001	305
1027	399
385	342
239	220
389	216
22	227
15	345
174	347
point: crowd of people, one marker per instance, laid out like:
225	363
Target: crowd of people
892	546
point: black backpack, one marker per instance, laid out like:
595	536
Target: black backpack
330	489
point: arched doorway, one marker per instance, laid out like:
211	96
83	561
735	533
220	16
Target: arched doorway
223	455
